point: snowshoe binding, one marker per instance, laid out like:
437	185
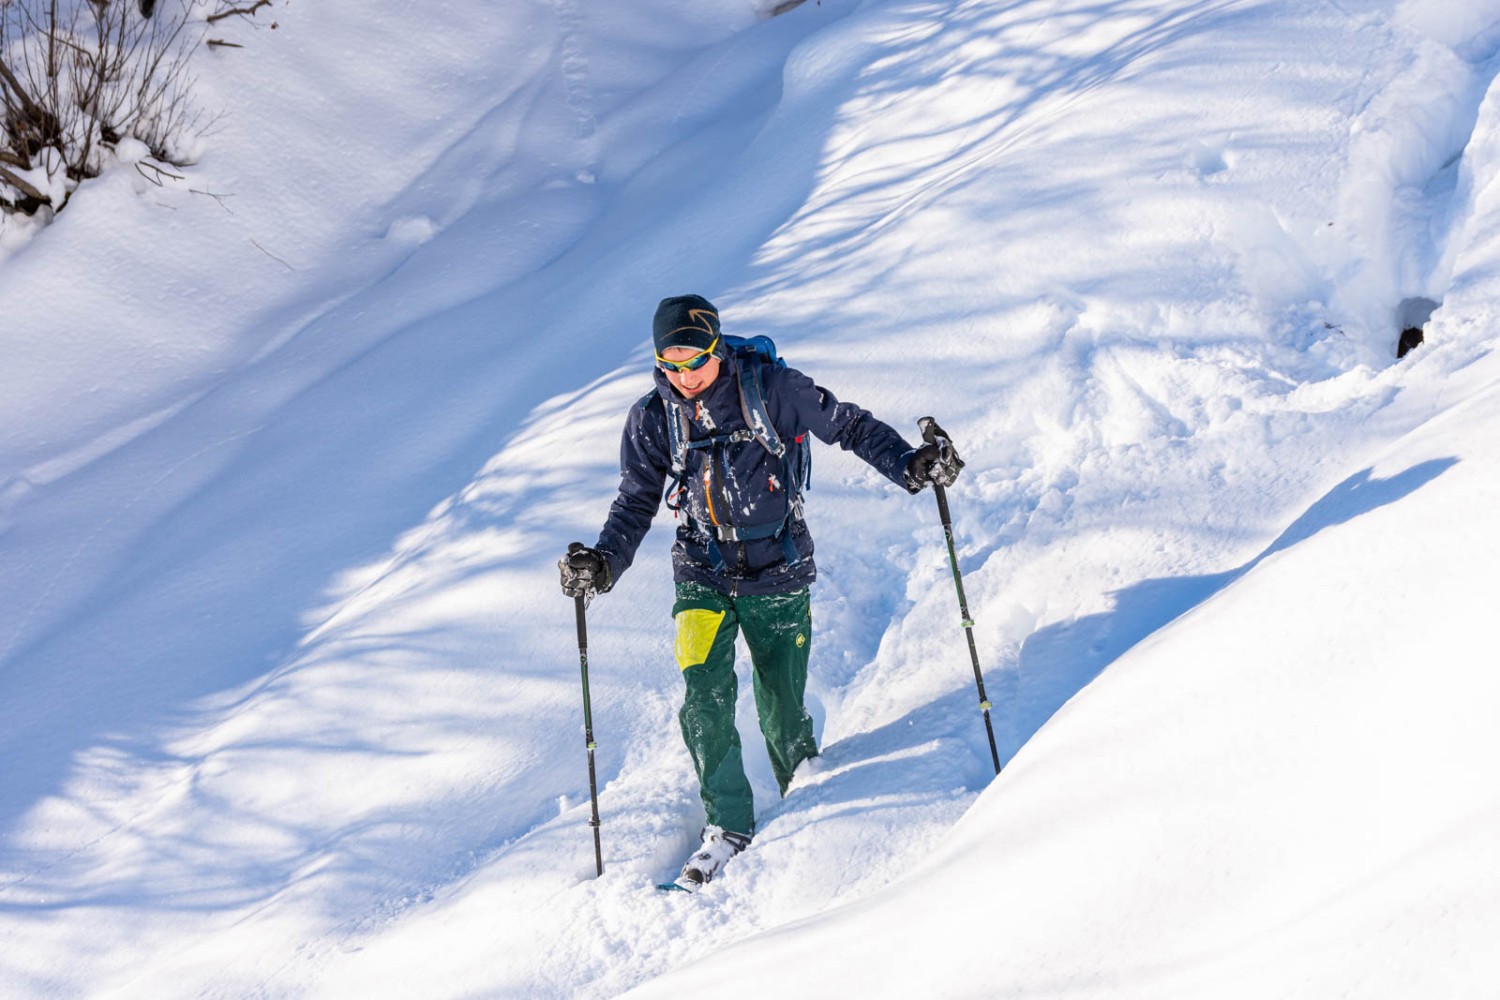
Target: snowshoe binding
719	845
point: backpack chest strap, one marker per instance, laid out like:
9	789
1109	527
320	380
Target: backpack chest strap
733	437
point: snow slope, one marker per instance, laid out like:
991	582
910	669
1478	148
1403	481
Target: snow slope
1286	792
289	698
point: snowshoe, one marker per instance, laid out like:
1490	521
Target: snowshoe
719	845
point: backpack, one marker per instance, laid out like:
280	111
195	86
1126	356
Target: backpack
753	355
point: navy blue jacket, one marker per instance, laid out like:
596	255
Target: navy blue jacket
741	483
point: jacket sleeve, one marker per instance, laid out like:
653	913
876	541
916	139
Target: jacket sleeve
644	462
844	424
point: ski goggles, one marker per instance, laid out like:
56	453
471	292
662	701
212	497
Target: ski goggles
691	364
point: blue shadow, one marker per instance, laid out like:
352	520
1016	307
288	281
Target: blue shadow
1059	661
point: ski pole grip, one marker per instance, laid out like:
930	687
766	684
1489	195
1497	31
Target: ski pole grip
930	430
933	434
580	605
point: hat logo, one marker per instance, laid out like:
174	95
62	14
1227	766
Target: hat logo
703	320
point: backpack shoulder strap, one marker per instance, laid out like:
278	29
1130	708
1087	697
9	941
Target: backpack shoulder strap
677	429
751	369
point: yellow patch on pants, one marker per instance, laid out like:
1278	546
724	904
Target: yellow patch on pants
696	630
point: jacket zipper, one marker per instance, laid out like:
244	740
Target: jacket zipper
708	489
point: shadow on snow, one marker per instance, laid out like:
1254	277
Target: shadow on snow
1059	661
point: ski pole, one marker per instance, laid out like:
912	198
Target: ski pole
579	604
933	434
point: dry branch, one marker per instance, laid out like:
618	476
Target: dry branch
21	185
233	11
28	105
77	78
142	166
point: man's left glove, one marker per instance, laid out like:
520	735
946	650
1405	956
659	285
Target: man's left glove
936	462
584	571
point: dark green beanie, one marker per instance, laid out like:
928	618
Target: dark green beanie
685	321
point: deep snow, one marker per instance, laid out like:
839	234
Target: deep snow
290	700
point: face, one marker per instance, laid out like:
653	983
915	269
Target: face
690	383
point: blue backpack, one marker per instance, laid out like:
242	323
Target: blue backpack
753	355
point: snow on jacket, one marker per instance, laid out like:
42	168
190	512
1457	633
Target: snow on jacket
740	486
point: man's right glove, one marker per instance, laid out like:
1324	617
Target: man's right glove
584	571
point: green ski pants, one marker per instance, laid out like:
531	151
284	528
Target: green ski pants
778	630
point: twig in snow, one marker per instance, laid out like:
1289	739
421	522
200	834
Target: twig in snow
272	256
216	197
160	173
246	11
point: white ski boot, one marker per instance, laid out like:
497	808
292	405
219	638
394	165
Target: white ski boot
719	845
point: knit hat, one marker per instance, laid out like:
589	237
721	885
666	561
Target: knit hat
685	321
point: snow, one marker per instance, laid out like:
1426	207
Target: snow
290	701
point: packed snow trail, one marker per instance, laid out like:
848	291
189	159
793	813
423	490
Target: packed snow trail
290	696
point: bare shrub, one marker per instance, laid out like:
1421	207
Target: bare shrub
78	77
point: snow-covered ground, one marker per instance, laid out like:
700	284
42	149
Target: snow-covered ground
289	700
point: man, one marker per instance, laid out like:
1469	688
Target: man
728	428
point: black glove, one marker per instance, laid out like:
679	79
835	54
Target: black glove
936	462
584	571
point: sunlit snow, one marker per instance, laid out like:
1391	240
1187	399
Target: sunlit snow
289	697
